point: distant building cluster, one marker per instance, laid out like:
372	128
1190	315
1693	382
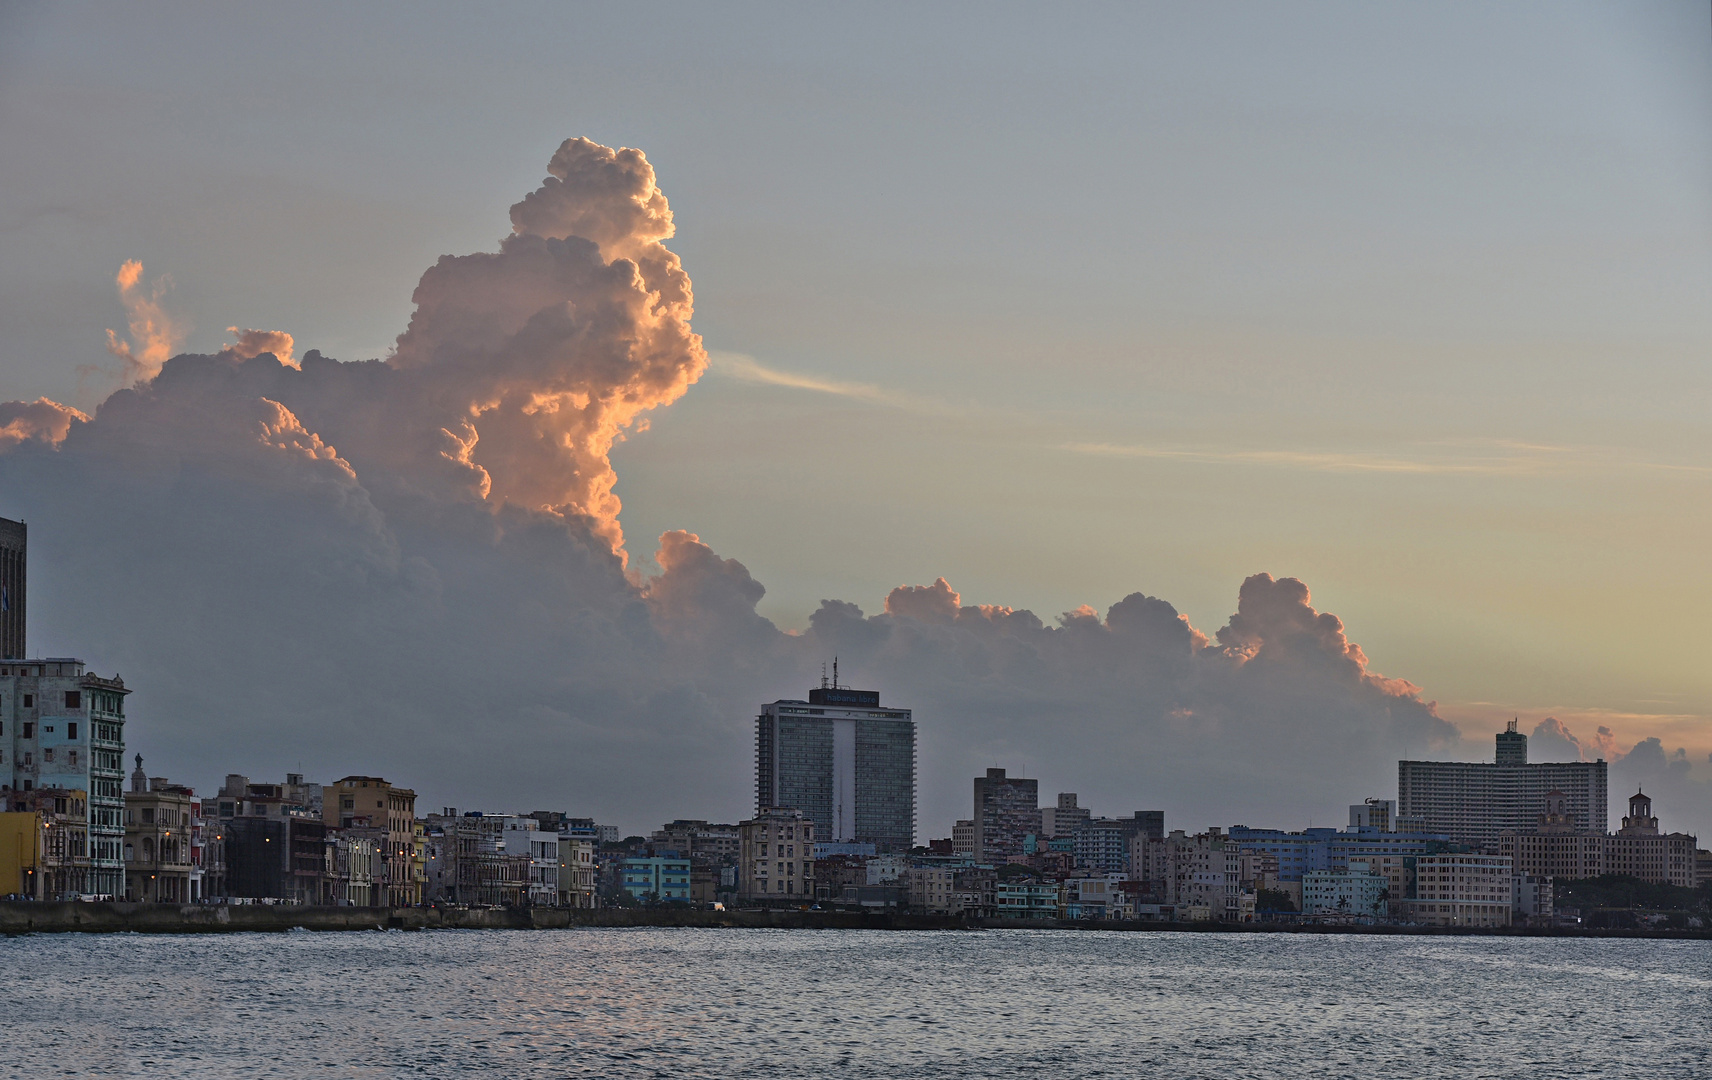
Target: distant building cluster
834	825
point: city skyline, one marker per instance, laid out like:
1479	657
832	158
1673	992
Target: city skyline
1057	458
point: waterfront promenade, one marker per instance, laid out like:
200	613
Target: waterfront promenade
123	917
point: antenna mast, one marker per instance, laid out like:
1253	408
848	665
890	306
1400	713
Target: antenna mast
835	672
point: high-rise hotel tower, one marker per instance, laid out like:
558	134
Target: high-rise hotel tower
1475	802
842	759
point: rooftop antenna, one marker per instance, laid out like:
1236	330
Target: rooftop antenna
835	672
823	674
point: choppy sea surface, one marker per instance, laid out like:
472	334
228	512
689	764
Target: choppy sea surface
783	1003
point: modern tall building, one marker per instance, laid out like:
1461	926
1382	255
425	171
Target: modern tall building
1475	802
63	728
1007	811
845	761
14	542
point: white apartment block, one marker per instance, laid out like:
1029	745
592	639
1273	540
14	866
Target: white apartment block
933	890
1358	892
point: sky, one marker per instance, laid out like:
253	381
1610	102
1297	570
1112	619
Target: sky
1408	303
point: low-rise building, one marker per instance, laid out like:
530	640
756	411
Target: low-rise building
576	871
158	860
1357	891
1462	890
21	843
1185	871
776	860
1531	899
65	869
658	877
932	889
1026	899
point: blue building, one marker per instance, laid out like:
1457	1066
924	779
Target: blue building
1329	850
663	877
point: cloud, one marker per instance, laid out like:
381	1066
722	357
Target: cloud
255	342
1495	457
154	334
414	567
748	369
42	420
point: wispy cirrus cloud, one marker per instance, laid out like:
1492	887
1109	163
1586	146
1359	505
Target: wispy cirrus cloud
1490	457
745	368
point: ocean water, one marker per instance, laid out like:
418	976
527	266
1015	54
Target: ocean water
779	1003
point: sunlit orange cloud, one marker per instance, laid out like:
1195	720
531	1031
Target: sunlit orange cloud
252	343
1606	733
154	335
41	419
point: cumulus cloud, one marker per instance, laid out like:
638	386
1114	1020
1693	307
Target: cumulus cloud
42	420
1680	800
154	334
414	567
255	342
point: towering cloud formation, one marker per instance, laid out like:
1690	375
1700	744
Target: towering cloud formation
414	566
154	333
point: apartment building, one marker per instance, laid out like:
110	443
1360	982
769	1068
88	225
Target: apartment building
1463	890
776	856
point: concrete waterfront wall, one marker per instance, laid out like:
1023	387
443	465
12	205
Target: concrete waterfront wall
45	918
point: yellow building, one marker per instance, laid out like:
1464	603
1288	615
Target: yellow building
20	854
354	801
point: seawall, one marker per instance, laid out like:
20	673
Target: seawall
118	917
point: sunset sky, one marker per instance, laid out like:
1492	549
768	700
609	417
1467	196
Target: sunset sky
1410	302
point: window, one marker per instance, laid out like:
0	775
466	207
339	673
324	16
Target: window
29	731
74	699
148	815
47	755
29	701
71	731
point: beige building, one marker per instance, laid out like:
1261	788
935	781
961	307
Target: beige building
158	860
358	877
776	860
1462	890
1557	848
576	872
1640	850
933	889
371	801
963	838
1200	870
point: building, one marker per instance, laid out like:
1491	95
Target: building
64	728
963	838
1065	818
524	835
158	862
21	842
1007	813
1639	850
1531	899
466	861
1554	847
358	876
1557	848
372	801
776	859
14	548
1026	899
933	889
1200	871
1358	891
658	877
1462	890
845	761
63	871
1474	802
576	871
